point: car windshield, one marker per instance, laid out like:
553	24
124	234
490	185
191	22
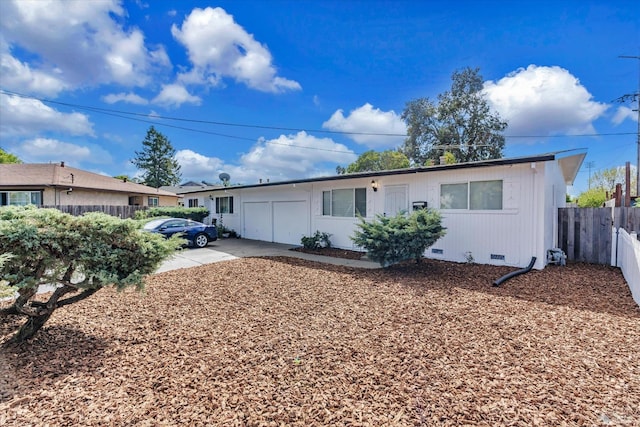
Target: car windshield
152	225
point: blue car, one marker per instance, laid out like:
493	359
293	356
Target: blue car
196	233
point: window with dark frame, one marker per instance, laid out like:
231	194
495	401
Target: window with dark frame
224	205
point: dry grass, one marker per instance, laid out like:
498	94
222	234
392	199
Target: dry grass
288	342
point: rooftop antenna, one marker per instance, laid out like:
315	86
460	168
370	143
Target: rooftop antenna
224	177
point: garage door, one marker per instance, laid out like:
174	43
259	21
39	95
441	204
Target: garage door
290	221
257	221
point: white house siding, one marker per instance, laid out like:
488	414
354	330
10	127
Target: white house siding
508	232
526	226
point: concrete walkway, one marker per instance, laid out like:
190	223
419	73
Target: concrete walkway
228	249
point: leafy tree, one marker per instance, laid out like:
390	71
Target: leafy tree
593	198
389	240
157	160
127	178
81	255
461	122
376	161
607	179
8	157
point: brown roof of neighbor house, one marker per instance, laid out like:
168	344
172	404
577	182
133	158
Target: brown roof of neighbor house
59	175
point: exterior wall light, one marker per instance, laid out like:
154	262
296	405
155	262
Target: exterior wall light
374	185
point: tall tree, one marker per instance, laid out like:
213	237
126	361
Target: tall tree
8	157
157	160
376	161
607	179
461	122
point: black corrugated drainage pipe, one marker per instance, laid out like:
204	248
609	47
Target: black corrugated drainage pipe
506	277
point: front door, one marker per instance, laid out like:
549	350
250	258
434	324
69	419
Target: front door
395	199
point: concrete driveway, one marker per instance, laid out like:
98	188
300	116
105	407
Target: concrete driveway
228	249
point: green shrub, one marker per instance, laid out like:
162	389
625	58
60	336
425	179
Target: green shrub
317	241
80	255
593	198
196	214
390	240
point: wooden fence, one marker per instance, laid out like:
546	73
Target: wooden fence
584	234
118	211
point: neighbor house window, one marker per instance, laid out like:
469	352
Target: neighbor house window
193	203
224	205
20	198
475	195
347	202
153	201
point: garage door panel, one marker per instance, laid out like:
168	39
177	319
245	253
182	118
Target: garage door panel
290	221
257	221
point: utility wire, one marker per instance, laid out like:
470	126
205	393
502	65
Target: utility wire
120	113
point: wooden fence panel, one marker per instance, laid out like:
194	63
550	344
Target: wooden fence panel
627	218
584	234
117	211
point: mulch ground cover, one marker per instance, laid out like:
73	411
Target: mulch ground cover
288	342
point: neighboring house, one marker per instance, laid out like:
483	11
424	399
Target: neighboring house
55	184
183	191
501	212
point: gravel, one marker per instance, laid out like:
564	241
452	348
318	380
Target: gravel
282	341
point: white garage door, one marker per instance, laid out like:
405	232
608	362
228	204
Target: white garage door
257	221
290	221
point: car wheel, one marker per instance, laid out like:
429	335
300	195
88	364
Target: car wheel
201	240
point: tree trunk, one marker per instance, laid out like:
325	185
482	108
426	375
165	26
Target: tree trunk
30	328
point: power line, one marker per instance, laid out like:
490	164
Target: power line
119	113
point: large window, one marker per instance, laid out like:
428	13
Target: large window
153	201
20	198
475	195
193	203
347	202
224	205
453	196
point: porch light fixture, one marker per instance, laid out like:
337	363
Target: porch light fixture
69	190
374	185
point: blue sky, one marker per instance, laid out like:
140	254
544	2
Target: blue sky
264	89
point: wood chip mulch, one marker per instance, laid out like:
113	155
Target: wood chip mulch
332	252
288	342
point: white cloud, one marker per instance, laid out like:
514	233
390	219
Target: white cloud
22	116
39	150
175	95
287	157
130	98
544	101
367	119
623	113
80	43
20	77
195	165
218	47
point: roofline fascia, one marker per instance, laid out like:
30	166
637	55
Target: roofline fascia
422	169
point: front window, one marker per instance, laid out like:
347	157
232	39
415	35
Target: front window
347	202
193	203
20	198
224	205
153	201
485	195
475	195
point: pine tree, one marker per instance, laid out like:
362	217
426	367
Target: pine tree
157	160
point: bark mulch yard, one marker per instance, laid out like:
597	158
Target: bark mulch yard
280	341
